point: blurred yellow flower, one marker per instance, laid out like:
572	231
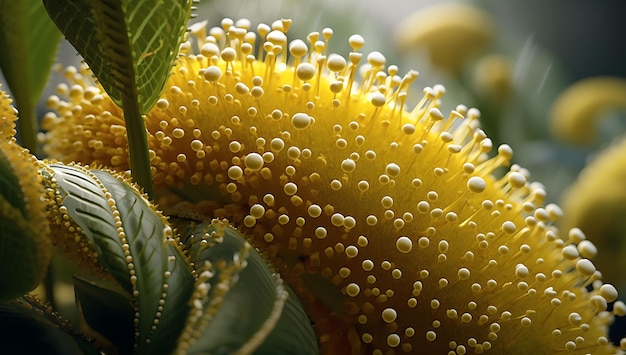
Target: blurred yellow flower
387	220
493	78
574	115
596	203
451	33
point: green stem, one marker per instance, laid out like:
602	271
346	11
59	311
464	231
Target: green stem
28	128
48	284
137	144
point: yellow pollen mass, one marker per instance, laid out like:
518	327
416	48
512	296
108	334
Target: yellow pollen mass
359	188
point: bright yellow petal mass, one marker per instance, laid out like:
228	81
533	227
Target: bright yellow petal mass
385	217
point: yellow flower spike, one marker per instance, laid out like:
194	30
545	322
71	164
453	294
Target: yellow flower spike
24	233
575	114
596	203
450	32
386	219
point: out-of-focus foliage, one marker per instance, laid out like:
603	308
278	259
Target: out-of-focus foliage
29	41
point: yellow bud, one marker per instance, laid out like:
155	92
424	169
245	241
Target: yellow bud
596	203
575	113
493	77
450	32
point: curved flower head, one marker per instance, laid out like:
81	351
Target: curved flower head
385	217
24	233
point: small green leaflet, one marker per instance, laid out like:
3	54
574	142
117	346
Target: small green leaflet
130	45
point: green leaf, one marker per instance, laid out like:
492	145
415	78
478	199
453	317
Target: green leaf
28	327
107	311
21	264
130	45
29	41
10	188
293	333
258	313
24	240
136	245
88	206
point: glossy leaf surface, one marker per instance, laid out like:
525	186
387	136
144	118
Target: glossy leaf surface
258	314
